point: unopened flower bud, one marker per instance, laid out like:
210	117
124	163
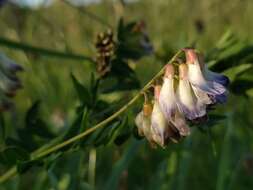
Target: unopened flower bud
147	109
143	122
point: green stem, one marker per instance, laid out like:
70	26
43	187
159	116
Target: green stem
40	154
10	173
37	50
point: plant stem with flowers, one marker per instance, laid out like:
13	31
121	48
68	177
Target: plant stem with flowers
187	92
40	154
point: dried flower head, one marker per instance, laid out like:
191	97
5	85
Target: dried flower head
105	50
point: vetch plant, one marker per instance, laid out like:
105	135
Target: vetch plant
162	120
187	92
106	123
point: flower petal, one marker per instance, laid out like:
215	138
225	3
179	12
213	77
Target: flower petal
214	84
159	124
202	96
139	123
8	65
167	98
180	124
212	76
197	79
188	103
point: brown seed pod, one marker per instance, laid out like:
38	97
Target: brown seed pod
105	50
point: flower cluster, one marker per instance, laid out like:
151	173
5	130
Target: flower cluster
9	83
188	91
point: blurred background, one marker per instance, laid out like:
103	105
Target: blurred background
52	39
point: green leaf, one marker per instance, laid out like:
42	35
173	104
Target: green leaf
24	166
50	161
233	72
122	78
106	134
26	139
2	128
130	44
84	124
235	58
213	120
123	133
9	141
35	125
136	134
11	155
82	91
32	113
94	84
120	166
41	129
85	120
240	86
216	117
74	128
122	138
79	125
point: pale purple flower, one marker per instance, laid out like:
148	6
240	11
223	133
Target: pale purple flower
187	101
184	96
8	66
208	82
168	102
167	97
159	123
9	82
219	78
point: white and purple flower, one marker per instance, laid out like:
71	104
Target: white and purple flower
210	83
168	101
167	97
188	103
187	92
159	123
9	82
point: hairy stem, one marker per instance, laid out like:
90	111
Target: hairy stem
39	154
